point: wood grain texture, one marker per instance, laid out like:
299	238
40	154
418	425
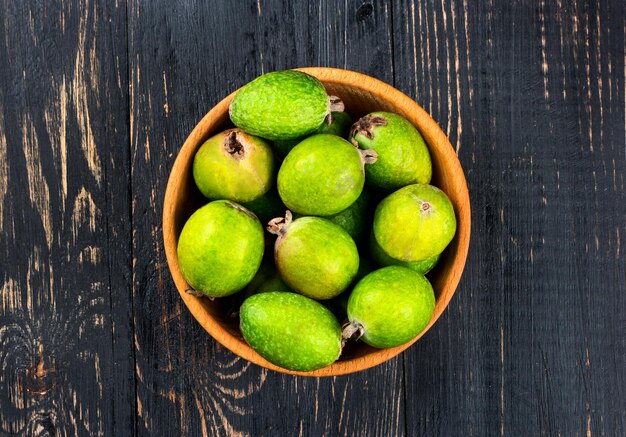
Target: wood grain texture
183	60
66	363
532	93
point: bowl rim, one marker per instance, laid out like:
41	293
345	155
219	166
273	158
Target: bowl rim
431	132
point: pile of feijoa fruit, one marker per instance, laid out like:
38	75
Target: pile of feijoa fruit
318	230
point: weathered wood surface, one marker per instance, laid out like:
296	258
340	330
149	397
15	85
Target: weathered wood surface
66	351
532	95
96	99
186	382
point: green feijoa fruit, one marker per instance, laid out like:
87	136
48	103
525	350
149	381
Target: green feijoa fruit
267	206
220	248
354	219
390	307
282	105
290	330
403	157
414	223
385	260
234	165
337	123
323	175
314	256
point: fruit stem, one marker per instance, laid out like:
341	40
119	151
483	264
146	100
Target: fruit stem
279	225
349	330
368	156
365	126
335	104
241	209
195	293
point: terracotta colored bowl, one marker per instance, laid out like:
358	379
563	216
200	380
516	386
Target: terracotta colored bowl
361	94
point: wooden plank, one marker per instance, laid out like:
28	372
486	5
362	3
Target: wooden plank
531	94
184	58
65	334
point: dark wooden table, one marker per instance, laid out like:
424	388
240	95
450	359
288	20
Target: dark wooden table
96	98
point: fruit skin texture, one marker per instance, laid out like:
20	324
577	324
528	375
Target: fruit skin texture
234	165
403	156
282	105
316	257
323	175
414	223
354	219
290	330
393	305
340	126
385	260
220	248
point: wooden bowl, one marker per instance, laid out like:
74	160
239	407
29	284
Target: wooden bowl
361	94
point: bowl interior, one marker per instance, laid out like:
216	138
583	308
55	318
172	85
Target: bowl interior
361	95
